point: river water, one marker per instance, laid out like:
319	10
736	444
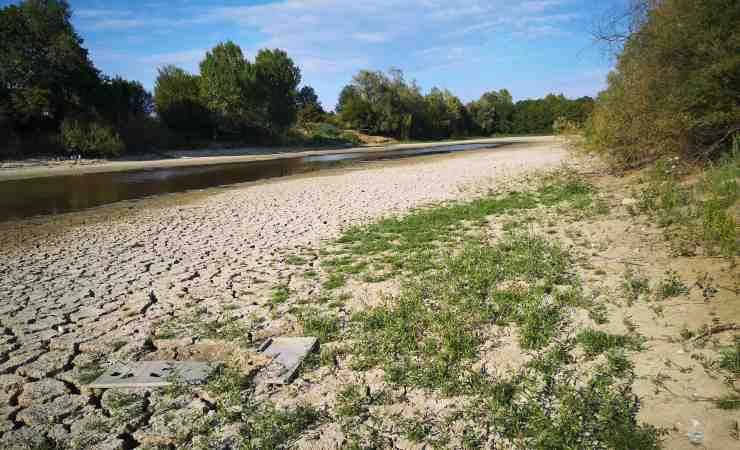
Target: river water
54	195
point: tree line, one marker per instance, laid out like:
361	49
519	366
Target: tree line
54	100
388	105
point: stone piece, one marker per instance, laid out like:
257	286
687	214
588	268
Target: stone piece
149	374
44	415
24	438
41	392
47	365
288	354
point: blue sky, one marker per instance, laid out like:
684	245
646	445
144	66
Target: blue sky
530	47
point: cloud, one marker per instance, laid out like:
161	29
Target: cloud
372	38
187	59
538	6
98	13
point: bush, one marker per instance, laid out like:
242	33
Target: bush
90	139
676	87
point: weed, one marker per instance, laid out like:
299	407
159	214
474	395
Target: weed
671	286
596	342
635	285
280	294
324	327
730	359
335	281
728	402
295	260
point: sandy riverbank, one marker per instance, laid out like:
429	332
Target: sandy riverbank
82	293
37	168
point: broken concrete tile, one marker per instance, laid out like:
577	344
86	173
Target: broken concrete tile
288	353
148	374
41	392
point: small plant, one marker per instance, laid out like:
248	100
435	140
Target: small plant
730	359
280	294
295	260
335	281
635	285
596	342
671	286
324	327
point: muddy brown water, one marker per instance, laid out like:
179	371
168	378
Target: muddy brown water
25	198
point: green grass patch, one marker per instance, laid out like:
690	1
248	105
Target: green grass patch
596	342
704	213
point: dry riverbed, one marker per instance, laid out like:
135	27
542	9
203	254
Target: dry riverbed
152	278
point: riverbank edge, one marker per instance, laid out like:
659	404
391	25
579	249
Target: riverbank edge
9	174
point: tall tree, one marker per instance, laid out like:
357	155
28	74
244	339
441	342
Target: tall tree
276	78
45	73
227	86
178	102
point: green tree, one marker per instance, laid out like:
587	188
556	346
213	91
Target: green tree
178	102
309	107
227	87
276	78
676	87
45	73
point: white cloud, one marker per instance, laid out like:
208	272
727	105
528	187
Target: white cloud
373	38
98	13
187	59
538	6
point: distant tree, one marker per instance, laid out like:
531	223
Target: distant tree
45	74
228	89
493	112
309	106
276	78
120	101
178	102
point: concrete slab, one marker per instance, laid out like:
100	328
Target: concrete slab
287	355
150	374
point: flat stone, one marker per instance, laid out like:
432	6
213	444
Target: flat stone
44	415
288	354
11	383
41	392
18	359
150	374
6	412
46	365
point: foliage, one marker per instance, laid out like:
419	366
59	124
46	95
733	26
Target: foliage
676	86
178	102
388	105
702	213
227	88
45	73
276	78
90	139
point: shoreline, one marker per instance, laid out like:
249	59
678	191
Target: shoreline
211	157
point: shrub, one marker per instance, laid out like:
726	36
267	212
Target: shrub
676	86
90	139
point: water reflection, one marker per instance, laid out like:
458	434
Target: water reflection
54	195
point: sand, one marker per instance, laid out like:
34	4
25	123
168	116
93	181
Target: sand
77	286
